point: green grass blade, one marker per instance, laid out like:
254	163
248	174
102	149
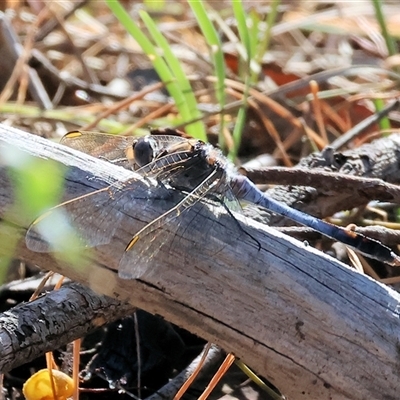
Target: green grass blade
157	60
254	19
214	42
255	45
390	43
158	5
243	19
146	45
384	123
263	44
196	129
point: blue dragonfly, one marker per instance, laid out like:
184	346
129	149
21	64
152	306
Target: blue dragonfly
196	169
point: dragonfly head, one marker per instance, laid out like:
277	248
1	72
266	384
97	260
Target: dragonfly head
144	151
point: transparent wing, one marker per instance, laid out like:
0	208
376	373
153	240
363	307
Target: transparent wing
149	240
165	167
205	227
95	216
110	147
85	219
119	149
231	201
165	141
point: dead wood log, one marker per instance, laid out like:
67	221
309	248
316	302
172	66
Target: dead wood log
51	321
322	194
314	327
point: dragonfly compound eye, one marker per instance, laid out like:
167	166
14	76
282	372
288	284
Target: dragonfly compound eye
143	151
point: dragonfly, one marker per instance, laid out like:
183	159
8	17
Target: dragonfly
197	170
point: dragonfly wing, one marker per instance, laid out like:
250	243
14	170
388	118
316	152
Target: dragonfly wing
231	201
88	215
149	240
165	141
185	233
165	165
87	221
82	222
110	147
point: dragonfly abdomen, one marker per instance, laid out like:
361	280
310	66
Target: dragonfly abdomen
244	189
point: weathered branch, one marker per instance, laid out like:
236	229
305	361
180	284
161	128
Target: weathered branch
31	329
322	193
290	312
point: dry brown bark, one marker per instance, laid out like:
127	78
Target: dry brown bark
316	328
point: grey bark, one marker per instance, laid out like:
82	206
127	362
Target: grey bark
51	321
